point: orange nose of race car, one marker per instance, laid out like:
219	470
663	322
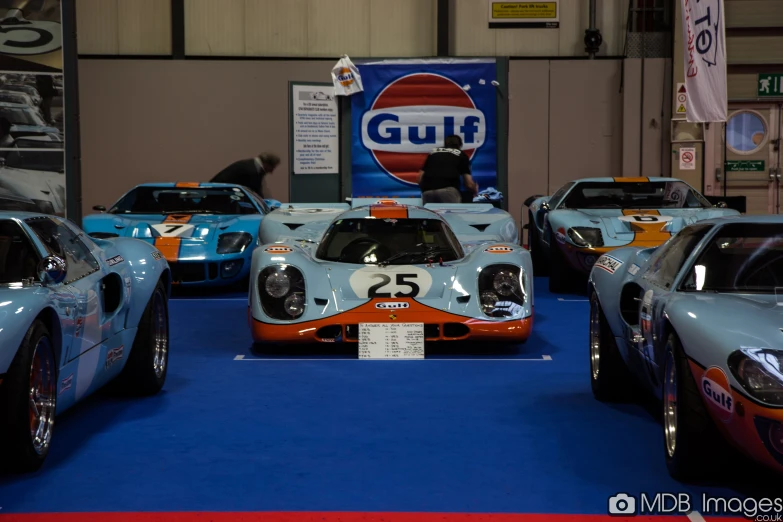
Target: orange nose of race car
439	325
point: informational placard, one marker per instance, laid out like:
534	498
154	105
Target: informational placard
682	100
530	15
745	166
687	158
315	125
391	340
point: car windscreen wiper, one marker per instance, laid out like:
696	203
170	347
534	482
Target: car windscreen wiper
411	253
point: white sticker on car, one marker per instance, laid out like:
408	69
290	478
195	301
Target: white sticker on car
393	281
645	218
633	269
173	229
608	263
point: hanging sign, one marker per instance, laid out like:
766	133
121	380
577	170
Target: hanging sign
524	15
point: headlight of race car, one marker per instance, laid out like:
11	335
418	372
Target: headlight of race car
501	290
45	207
282	292
760	372
586	236
233	242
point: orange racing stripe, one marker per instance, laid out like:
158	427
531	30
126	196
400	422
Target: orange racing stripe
169	246
187	184
389	211
632	180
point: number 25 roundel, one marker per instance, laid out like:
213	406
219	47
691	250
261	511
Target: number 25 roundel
390	282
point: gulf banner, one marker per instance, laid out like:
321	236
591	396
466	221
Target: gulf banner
407	108
704	47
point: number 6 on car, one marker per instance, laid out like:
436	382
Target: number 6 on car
384	262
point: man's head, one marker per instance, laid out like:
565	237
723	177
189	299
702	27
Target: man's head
5	127
269	161
453	142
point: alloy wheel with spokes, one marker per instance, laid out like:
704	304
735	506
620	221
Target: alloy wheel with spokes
670	404
160	335
595	337
42	395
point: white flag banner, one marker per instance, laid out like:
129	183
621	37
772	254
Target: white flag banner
704	45
346	78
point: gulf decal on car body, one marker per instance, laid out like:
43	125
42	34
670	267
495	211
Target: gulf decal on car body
170	232
608	263
499	249
405	112
648	227
717	391
187	184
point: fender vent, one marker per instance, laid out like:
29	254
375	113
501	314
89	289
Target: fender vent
293	226
463	299
480	228
321	302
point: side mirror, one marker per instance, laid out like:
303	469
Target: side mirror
545	206
51	270
721	204
99	208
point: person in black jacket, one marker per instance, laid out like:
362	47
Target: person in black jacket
249	172
44	83
439	178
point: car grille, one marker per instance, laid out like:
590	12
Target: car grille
187	272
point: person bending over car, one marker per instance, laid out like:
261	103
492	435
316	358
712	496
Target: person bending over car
439	178
249	172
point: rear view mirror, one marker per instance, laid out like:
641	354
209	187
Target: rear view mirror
99	208
721	204
51	270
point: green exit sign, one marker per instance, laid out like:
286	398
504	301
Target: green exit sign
770	84
745	166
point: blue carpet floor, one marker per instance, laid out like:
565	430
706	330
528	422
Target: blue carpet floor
470	429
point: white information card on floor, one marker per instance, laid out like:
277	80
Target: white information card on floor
391	340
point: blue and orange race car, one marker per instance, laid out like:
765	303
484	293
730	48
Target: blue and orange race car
206	231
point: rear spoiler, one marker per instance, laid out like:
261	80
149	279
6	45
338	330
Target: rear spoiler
299	206
531	199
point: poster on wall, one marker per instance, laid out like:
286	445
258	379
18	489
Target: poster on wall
32	153
524	15
315	129
406	110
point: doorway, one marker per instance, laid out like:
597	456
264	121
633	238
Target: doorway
753	157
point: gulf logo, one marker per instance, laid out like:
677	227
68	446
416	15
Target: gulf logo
412	115
717	391
499	249
278	250
345	77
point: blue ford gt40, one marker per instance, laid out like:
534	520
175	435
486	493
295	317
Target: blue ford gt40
75	314
325	269
589	217
206	231
697	321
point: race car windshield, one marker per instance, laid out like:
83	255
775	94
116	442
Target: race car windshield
21	116
393	241
171	200
46	156
18	257
741	258
625	194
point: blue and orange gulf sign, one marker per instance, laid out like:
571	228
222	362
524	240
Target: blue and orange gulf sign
407	108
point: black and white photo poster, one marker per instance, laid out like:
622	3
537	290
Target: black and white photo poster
32	143
316	129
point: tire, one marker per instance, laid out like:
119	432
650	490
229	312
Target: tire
534	247
28	401
689	435
608	373
148	363
561	276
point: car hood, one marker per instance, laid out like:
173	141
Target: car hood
34	128
198	227
617	228
714	325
